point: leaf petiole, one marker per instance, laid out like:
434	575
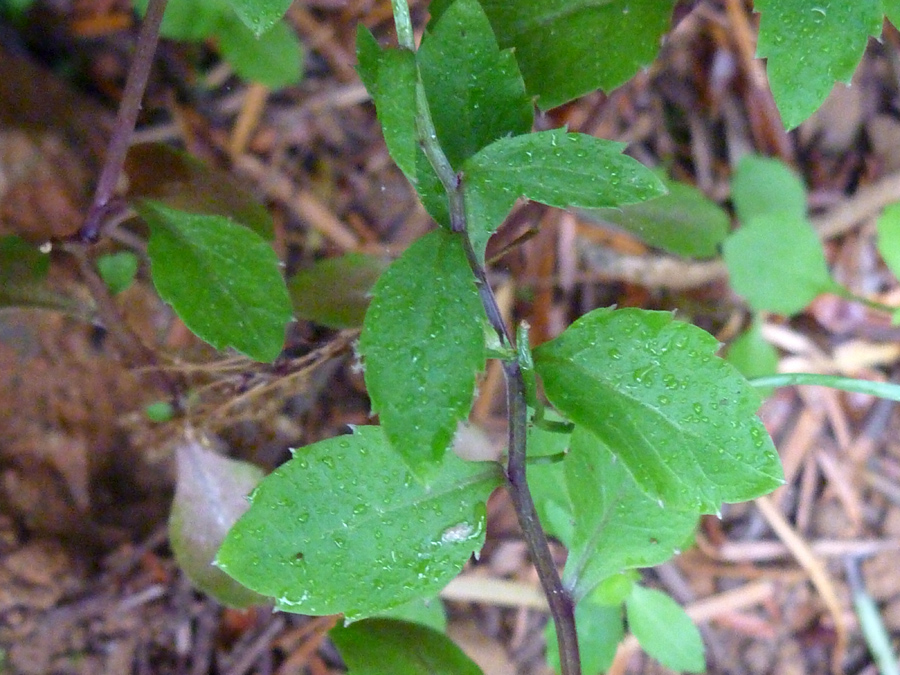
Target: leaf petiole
551	425
546	459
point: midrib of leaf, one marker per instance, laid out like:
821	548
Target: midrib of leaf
542	169
639	427
210	269
459	485
544	20
432	316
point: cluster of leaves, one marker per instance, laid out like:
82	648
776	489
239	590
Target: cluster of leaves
252	37
775	258
659	429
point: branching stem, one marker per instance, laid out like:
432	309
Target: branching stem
561	604
104	208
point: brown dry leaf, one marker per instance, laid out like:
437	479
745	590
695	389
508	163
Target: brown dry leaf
884	135
488	653
42	186
838	122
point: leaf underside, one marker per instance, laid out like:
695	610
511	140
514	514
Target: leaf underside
410	649
664	630
336	292
210	495
684	222
617	526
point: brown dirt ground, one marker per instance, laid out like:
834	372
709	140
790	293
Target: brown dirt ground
87	583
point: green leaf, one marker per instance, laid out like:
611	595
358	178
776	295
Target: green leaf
762	185
21	263
684	222
23	270
552	167
682	420
189	20
547	485
377	646
426	611
210	495
390	76
260	15
180	181
423	344
159	411
344	528
600	630
222	279
811	44
397	108
14	11
617	526
568	48
475	91
892	10
752	355
546	480
431	191
117	270
888	228
776	262
274	58
664	630
614	590
526	365
336	292
368	54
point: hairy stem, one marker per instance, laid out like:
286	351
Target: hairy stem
126	118
561	604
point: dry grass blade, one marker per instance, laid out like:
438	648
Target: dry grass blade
817	574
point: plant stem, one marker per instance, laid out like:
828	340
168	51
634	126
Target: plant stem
405	37
135	353
885	390
560	601
126	118
847	294
103	206
873	628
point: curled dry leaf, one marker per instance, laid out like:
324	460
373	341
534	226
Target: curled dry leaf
210	495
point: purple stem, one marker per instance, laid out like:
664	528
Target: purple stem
129	108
